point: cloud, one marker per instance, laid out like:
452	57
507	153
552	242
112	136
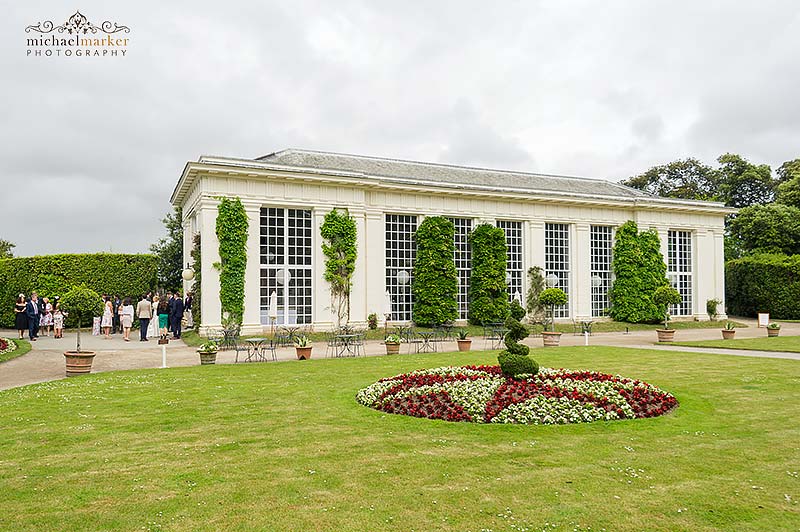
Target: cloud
90	149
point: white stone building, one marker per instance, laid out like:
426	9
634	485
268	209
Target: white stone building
562	224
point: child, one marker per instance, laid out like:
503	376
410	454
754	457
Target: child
58	323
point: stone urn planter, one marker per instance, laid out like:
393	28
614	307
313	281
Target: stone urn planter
728	334
551	339
465	345
666	335
79	363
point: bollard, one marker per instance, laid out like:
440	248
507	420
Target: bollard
585	337
163	355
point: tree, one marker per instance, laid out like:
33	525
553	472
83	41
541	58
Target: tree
5	249
81	304
488	291
687	179
435	283
339	235
639	270
788	171
663	297
169	251
553	297
773	228
743	184
788	192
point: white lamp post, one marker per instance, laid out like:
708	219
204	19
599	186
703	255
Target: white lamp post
551	280
188	273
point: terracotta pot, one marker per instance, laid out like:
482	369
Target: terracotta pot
728	334
666	335
208	358
551	339
303	353
392	349
464	345
79	363
771	333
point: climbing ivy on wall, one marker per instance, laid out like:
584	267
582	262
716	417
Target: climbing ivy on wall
488	291
639	269
196	285
435	283
339	235
232	228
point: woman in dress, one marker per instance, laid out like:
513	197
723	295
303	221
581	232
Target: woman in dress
108	318
58	321
163	318
155	330
20	317
46	319
126	318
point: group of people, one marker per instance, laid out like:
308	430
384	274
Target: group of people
157	316
35	314
161	316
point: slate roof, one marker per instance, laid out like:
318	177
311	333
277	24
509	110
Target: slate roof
450	174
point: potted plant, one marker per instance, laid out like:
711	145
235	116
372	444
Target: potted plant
773	329
392	342
549	298
464	341
79	304
663	297
729	331
302	346
208	352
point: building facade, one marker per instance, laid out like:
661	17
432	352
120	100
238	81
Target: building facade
565	225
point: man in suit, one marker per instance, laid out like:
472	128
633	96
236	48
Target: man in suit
33	310
176	315
171	307
144	311
116	303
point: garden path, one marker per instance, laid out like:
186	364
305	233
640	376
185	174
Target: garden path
45	361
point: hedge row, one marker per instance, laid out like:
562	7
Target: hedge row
764	283
54	275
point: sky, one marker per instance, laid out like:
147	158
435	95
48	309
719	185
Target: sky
91	148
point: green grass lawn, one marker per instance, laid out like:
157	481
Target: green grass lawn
23	346
284	446
778	343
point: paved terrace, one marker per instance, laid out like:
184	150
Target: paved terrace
45	361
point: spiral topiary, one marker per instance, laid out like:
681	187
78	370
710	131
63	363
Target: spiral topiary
514	359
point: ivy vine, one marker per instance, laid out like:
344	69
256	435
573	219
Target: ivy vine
196	285
639	270
488	291
232	226
339	235
435	283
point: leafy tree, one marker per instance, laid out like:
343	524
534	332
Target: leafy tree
435	283
81	304
788	171
553	297
339	233
639	269
687	179
743	183
788	192
5	249
663	297
169	251
773	228
488	291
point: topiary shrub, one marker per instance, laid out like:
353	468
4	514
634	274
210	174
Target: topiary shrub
639	269
514	359
516	310
81	305
488	291
553	297
435	281
663	297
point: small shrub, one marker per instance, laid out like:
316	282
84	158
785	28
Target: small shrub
712	308
516	310
663	297
552	297
392	339
463	334
81	305
372	321
514	359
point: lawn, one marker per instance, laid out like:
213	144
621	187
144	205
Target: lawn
23	346
284	446
779	343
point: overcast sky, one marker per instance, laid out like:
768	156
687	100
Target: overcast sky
91	148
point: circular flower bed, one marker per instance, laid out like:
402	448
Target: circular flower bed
481	394
6	346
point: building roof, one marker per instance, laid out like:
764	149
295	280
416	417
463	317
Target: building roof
399	169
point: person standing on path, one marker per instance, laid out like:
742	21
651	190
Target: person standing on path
144	310
177	315
126	318
20	317
187	310
107	320
115	323
33	312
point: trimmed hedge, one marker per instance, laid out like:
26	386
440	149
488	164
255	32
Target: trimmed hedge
53	275
435	283
764	282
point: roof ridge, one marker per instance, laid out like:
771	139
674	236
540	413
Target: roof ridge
444	165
